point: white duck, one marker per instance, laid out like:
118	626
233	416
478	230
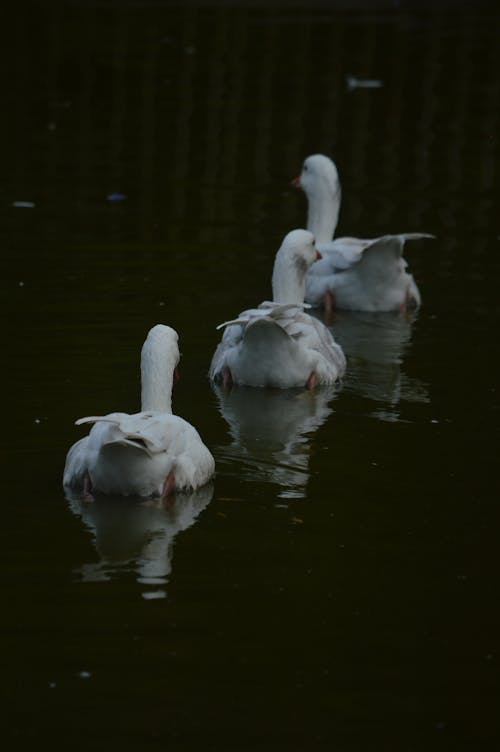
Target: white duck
354	273
150	453
277	344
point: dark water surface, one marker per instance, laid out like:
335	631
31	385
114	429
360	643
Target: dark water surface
337	587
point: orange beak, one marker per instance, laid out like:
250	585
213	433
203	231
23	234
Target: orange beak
318	255
296	182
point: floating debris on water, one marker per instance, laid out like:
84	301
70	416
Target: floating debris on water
23	204
363	83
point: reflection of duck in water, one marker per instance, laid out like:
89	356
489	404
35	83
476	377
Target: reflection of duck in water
133	535
375	345
271	432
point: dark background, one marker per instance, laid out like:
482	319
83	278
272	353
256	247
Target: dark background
339	588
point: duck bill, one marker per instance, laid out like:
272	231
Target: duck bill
296	182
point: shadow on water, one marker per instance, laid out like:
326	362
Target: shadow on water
272	432
136	535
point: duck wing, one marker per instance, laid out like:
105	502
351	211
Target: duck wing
339	254
142	431
384	253
364	274
342	253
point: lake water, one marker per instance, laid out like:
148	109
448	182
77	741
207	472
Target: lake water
337	586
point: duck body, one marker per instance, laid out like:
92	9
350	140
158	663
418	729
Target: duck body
277	344
150	453
143	454
364	275
354	274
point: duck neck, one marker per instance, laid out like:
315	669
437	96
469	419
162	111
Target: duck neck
289	280
156	381
323	214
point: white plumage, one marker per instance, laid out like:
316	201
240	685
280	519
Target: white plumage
354	273
278	344
150	453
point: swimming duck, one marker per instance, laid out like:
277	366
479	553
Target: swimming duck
354	273
278	344
151	453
